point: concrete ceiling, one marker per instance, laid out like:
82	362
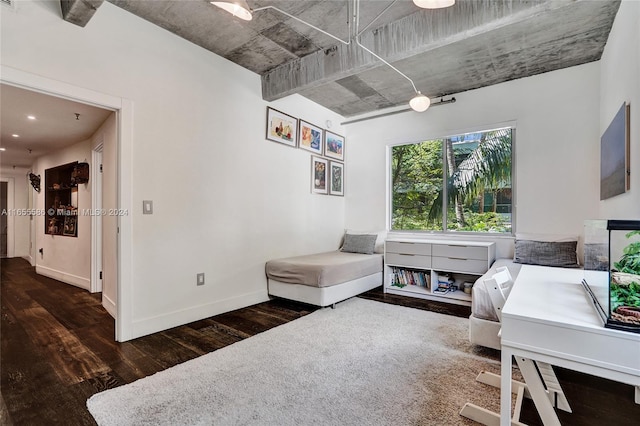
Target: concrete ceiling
473	44
55	125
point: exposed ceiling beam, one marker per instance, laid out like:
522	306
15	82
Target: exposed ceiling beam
79	12
418	33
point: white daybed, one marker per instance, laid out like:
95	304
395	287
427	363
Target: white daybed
324	279
532	249
483	322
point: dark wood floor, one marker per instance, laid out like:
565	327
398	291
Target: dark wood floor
57	350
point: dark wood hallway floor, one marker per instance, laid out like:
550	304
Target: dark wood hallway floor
58	349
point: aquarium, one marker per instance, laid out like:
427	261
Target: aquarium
612	271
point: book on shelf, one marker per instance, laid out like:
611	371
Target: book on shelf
402	277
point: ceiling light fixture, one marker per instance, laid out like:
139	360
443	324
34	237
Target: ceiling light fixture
419	102
15	135
434	4
3	149
31	117
238	8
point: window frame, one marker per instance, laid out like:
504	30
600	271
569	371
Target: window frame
445	231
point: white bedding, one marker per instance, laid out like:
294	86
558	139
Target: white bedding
324	269
481	306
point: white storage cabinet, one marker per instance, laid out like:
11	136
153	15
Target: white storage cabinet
412	267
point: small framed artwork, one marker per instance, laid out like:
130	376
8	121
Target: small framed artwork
70	226
333	146
336	178
319	168
310	137
281	127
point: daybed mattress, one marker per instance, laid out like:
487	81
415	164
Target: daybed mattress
324	269
481	305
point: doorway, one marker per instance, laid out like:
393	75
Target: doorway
7	218
123	109
96	219
4	223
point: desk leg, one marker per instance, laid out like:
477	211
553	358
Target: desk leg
505	387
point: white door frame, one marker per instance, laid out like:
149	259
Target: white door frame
11	227
124	112
96	219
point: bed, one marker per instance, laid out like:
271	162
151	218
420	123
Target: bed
323	279
483	322
532	249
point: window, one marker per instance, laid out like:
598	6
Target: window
468	177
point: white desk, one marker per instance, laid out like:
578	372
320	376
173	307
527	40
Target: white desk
548	317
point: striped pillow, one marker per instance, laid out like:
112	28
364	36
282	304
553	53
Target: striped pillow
547	253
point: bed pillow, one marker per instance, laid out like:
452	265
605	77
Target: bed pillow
381	236
359	243
547	253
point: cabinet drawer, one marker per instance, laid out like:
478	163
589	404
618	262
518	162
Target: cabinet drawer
408	248
410	260
452	264
461	252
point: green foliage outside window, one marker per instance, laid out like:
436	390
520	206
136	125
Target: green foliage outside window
476	168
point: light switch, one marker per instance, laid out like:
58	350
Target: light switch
147	207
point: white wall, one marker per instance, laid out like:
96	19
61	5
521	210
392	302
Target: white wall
556	117
225	200
67	259
19	222
620	82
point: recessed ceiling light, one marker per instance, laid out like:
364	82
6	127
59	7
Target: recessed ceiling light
15	135
31	117
3	149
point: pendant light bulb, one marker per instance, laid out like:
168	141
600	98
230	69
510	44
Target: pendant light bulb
420	102
238	8
434	4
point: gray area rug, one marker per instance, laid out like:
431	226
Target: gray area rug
363	363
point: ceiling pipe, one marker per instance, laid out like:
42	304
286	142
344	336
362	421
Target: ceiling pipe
399	111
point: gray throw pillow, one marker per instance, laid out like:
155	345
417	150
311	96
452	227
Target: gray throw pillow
364	243
544	253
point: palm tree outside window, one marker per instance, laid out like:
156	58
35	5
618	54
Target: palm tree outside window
460	183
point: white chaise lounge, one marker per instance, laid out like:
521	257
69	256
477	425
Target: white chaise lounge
323	279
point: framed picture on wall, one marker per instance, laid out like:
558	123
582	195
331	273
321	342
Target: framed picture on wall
70	226
614	155
310	137
336	178
281	127
333	145
319	168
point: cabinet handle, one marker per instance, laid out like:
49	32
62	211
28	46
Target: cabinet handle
457	258
406	254
451	245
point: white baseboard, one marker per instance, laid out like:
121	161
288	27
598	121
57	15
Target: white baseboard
164	322
75	280
109	305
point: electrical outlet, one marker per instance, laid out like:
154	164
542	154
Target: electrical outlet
200	279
